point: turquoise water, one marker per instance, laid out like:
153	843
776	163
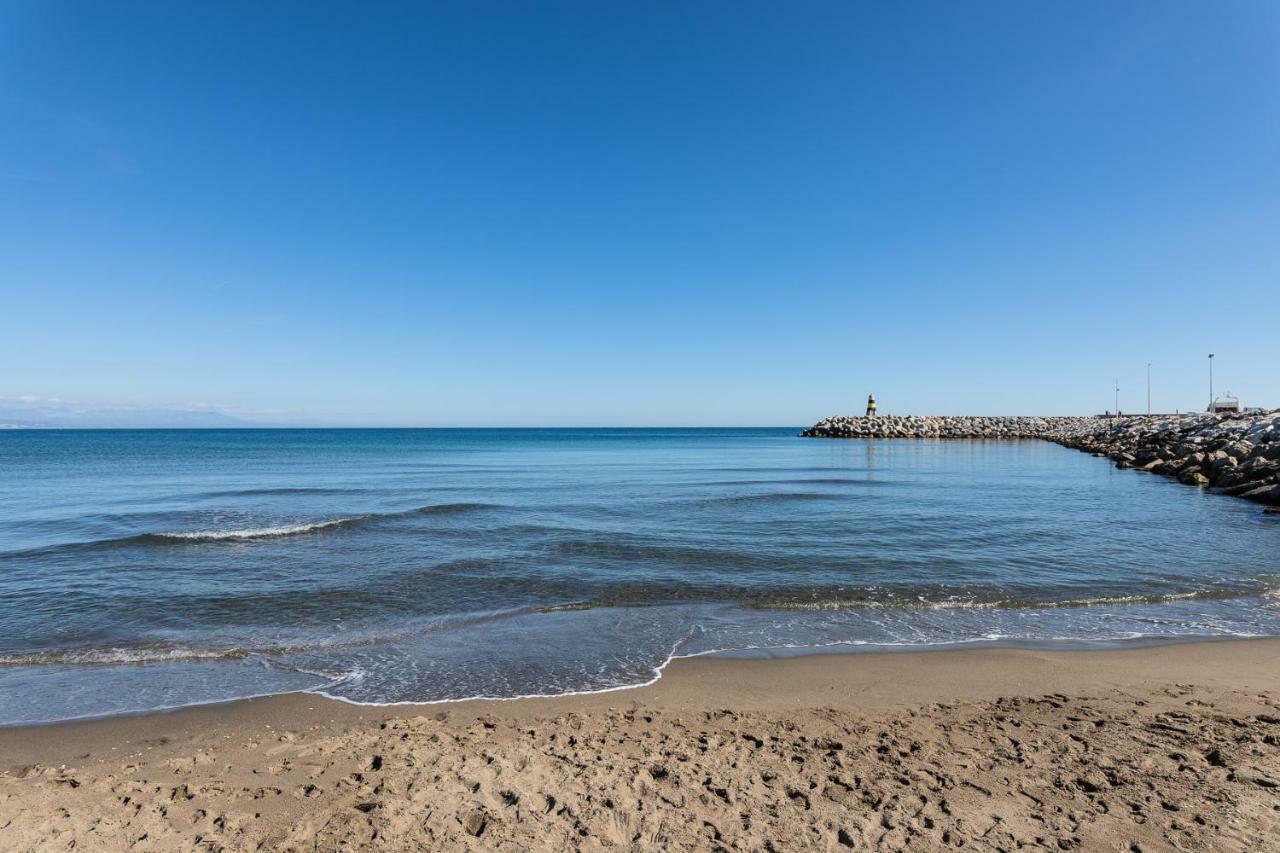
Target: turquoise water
152	569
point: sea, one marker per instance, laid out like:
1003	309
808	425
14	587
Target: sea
156	569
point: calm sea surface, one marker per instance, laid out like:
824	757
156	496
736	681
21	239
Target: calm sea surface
153	569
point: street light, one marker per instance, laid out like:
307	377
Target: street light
1117	398
1211	382
1148	387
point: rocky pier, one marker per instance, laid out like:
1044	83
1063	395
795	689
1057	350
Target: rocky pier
1238	454
952	426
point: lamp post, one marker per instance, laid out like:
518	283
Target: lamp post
1211	382
1148	387
1117	398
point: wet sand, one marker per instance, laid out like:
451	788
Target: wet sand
1169	747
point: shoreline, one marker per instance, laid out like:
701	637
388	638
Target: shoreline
298	770
818	672
762	654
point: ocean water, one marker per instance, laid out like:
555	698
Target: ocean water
154	569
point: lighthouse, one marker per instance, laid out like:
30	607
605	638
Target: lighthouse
871	405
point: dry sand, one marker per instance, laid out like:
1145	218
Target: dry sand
1173	747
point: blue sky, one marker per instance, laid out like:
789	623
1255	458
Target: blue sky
605	213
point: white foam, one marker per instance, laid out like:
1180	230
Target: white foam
120	655
1126	636
254	532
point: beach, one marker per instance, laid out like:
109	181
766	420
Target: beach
699	427
633	639
1157	748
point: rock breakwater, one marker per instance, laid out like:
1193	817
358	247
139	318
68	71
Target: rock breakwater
1236	453
1239	454
949	426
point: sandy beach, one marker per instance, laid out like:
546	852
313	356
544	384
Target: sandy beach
1159	748
646	427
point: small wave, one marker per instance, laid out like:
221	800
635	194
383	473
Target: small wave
837	604
802	599
769	497
617	548
313	527
570	607
281	656
247	533
115	655
440	509
254	533
282	490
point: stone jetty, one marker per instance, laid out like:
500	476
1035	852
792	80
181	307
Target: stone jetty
916	426
1238	454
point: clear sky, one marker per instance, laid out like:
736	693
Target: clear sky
638	213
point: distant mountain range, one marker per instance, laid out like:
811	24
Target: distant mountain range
44	415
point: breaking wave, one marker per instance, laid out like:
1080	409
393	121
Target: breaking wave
1010	604
114	655
246	534
819	601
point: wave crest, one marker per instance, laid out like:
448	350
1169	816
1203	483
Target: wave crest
1007	603
245	534
254	533
115	655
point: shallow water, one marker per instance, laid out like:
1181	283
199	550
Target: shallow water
149	569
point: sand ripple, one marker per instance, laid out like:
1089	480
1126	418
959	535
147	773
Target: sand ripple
1182	768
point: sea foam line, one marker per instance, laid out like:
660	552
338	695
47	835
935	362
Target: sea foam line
315	526
1128	636
119	655
253	532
